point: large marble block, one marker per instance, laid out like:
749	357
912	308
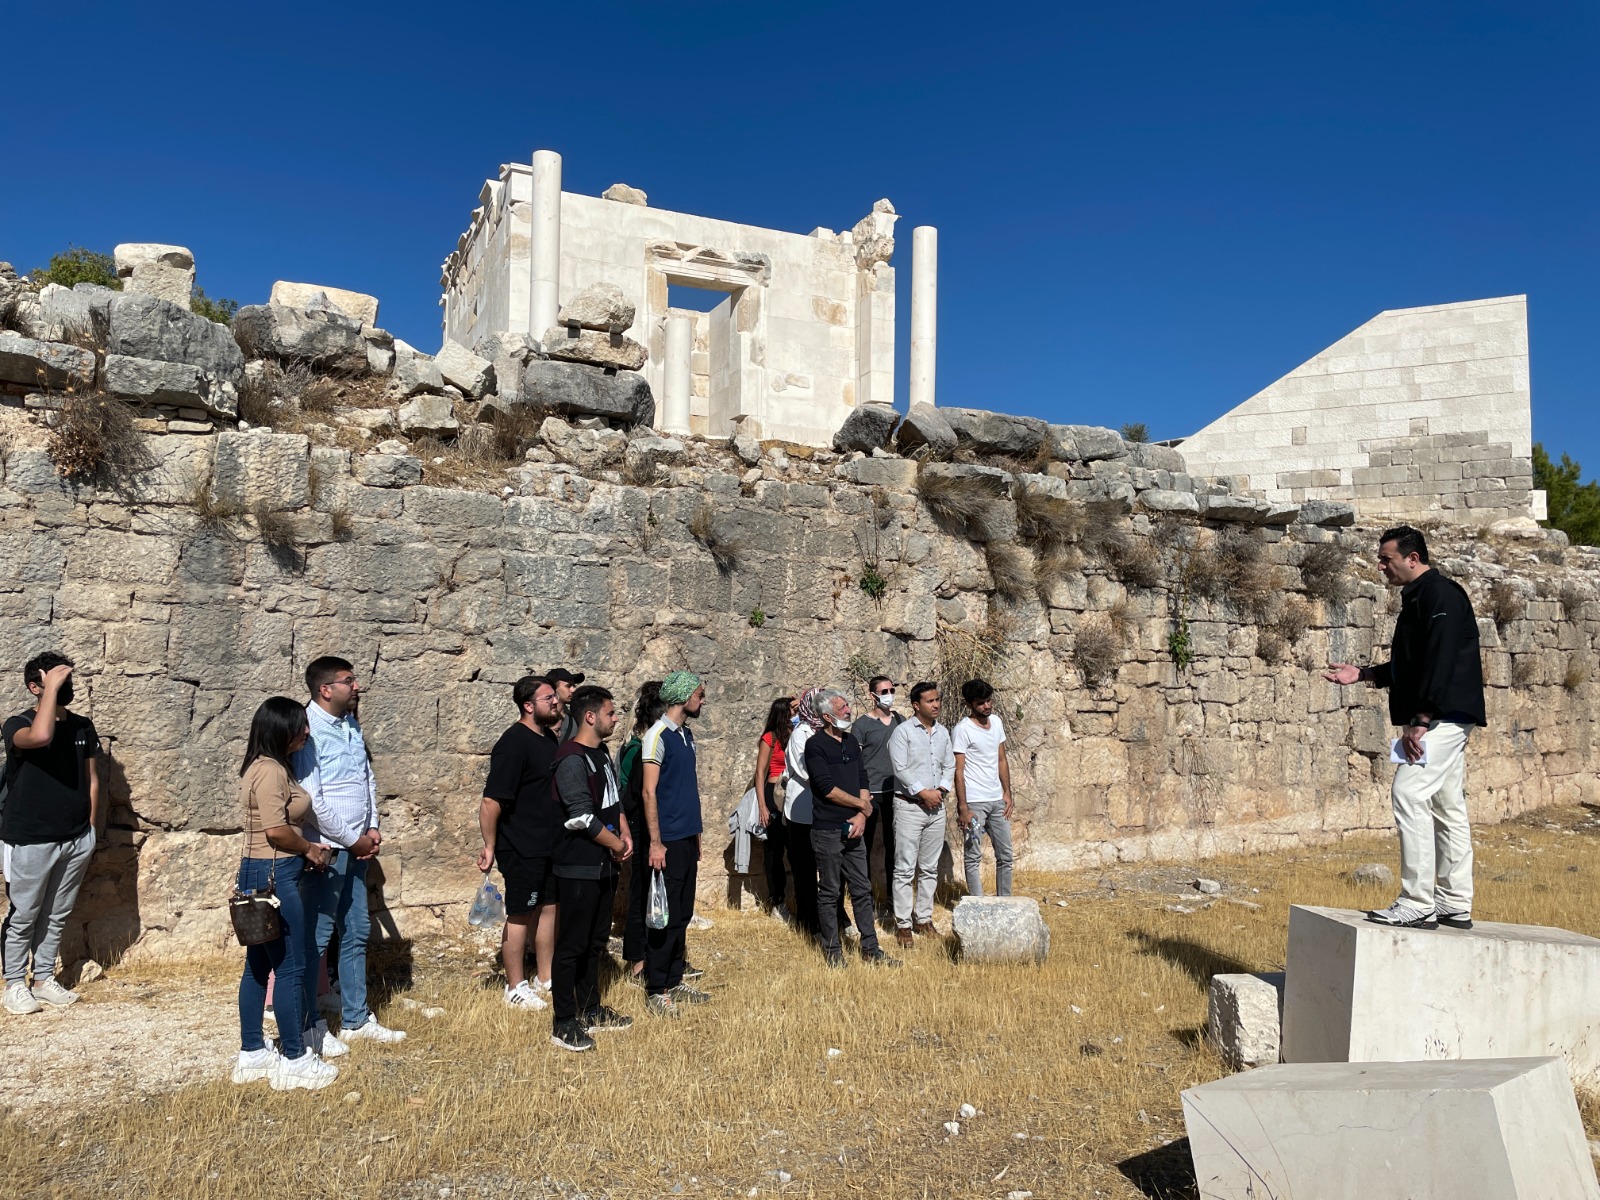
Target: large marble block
1362	992
1488	1129
1001	929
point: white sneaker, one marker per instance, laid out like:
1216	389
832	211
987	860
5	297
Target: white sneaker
52	992
308	1071
523	996
255	1064
19	1001
541	985
1401	915
322	1043
371	1031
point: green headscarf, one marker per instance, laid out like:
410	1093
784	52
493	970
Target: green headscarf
678	686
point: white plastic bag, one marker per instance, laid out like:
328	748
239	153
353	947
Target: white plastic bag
655	913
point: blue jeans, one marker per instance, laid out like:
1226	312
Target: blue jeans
338	895
284	955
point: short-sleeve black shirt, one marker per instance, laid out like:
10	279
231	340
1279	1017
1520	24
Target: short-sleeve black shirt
49	795
520	769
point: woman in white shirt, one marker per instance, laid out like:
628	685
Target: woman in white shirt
797	812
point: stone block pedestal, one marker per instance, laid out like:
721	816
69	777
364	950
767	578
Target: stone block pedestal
1001	929
1489	1129
1362	992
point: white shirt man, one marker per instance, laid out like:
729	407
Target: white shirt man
924	771
983	787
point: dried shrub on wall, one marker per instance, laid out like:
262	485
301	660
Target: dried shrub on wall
967	654
1096	650
1137	564
1011	569
1271	648
1325	574
1524	670
1050	568
958	499
1293	619
95	438
1050	521
1572	599
1104	539
275	394
724	550
1506	603
277	529
1577	674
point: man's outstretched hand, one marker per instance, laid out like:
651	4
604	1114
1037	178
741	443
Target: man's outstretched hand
1342	673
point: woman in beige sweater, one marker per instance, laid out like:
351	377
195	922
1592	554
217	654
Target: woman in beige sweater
275	853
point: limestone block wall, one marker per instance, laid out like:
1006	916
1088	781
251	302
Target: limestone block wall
1424	383
806	334
181	623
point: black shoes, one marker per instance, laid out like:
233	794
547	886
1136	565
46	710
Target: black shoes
603	1019
570	1035
878	958
1456	920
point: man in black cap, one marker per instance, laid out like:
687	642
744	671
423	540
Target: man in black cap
565	683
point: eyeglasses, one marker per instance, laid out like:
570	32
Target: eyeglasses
349	682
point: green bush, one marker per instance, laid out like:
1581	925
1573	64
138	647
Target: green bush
1136	431
76	265
220	310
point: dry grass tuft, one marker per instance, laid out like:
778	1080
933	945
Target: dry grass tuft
1051	568
1293	619
724	550
1271	648
276	529
1096	650
1105	535
516	429
1050	521
955	500
1506	603
1325	573
95	439
967	654
1577	673
1524	670
1011	568
1572	598
213	511
1137	563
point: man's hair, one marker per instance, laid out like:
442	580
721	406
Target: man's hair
918	691
526	688
1407	541
33	670
975	691
320	671
872	684
587	699
826	698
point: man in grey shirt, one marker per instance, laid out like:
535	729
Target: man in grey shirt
872	732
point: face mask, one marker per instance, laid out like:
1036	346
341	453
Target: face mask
885	699
794	721
841	723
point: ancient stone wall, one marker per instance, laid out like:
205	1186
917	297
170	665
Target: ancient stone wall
182	618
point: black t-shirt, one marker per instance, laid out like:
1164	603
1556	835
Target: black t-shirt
586	772
520	768
831	764
49	796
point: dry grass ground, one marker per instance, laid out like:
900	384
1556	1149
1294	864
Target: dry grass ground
843	1081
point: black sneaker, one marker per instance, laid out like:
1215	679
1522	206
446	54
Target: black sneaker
1456	920
684	994
834	960
603	1018
692	972
878	958
569	1035
1402	916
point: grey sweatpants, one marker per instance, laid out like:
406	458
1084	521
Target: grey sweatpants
43	887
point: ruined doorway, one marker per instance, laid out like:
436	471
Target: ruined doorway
715	361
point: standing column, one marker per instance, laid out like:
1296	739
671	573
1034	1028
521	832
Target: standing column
544	251
924	311
676	385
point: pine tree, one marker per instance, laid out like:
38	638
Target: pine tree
1574	507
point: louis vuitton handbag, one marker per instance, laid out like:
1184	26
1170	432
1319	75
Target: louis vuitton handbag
255	913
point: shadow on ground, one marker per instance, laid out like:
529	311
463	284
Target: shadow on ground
1199	962
1165	1173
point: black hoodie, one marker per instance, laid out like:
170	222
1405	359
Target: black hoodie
1434	665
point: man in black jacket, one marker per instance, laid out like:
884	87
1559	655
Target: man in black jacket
1435	681
595	841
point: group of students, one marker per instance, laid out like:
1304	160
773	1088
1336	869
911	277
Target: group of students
831	785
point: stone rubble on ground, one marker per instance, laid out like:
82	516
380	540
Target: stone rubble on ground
1243	1018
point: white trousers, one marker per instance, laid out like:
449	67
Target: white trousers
1430	813
918	839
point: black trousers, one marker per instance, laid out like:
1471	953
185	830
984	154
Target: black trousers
665	949
843	861
776	845
882	818
638	889
581	935
803	863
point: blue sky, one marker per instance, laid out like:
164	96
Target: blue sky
1146	211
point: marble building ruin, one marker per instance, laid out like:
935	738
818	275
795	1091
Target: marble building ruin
805	335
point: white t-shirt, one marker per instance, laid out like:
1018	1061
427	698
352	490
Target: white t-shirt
981	766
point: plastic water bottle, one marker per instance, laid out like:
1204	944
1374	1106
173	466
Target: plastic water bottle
497	914
482	904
